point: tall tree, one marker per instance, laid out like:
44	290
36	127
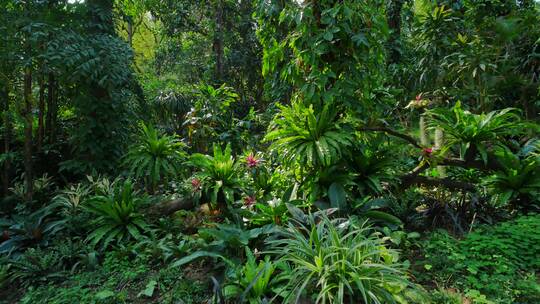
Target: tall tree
50	119
393	15
6	162
41	112
7	45
334	55
218	38
28	107
98	64
213	39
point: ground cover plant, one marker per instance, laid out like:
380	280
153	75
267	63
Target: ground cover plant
488	259
270	151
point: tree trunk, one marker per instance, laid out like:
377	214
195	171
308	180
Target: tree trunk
394	23
218	40
51	109
41	112
7	137
49	130
28	115
28	128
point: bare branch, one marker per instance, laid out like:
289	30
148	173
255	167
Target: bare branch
403	136
492	164
443	182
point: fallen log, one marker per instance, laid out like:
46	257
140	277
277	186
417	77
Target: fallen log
169	207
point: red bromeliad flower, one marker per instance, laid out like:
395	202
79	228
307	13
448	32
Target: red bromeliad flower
249	201
428	151
418	103
196	184
251	161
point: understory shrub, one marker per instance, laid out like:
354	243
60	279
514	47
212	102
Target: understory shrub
35	229
117	216
255	282
500	262
219	176
155	158
120	279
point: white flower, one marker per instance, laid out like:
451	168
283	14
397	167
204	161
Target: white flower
274	202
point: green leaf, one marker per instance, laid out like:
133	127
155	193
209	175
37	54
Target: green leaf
483	153
296	212
383	216
200	254
337	195
328	36
105	294
149	289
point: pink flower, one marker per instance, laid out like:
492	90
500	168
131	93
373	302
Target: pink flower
251	161
427	151
196	183
249	201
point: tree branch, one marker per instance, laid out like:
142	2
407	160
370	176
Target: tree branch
492	164
414	177
444	182
403	136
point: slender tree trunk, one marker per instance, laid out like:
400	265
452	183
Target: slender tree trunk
394	23
49	130
28	116
28	127
49	120
41	112
218	40
7	138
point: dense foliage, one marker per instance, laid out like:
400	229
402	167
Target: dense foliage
498	261
269	151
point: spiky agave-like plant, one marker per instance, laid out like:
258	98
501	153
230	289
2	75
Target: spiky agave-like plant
338	261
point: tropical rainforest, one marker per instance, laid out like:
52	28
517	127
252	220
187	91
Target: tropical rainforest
270	151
